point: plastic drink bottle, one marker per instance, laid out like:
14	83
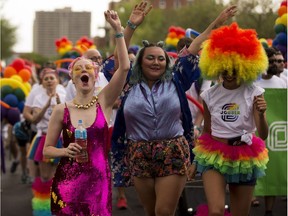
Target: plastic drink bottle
81	139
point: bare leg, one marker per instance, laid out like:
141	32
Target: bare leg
121	192
47	171
23	159
122	201
269	203
12	143
13	149
168	191
33	169
214	186
146	192
240	199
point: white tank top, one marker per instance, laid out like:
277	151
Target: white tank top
231	110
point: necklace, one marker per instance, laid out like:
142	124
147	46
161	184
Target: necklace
86	106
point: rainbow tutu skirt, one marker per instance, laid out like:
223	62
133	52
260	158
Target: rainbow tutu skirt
236	163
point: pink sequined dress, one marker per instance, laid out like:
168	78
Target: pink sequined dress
84	189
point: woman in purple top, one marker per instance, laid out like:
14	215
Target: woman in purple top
156	154
85	188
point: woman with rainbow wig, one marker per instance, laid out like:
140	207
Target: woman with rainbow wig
228	151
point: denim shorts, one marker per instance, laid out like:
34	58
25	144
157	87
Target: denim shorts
251	182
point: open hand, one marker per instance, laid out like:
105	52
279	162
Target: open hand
139	12
191	172
225	15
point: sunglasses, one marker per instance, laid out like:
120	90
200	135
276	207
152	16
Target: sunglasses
276	60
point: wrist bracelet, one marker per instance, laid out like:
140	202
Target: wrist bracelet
119	35
197	128
131	25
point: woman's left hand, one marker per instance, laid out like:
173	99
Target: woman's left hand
139	12
191	172
225	15
260	104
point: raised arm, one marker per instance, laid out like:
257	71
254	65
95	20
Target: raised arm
136	18
110	93
222	17
38	113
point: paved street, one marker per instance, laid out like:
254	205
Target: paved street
16	198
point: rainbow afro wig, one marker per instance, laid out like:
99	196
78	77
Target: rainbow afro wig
231	48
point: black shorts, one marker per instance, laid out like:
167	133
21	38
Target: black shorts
251	182
32	135
22	143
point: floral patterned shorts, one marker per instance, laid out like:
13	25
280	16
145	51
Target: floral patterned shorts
158	158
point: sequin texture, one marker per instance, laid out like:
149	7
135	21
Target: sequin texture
84	189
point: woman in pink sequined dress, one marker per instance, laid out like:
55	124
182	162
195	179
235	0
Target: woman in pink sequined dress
85	188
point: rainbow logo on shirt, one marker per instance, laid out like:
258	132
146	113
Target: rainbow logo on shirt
230	112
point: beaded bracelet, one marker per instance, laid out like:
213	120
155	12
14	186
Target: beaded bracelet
119	35
131	25
197	128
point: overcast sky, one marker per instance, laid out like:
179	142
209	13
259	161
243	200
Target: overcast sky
21	13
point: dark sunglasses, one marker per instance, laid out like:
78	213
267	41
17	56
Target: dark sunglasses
276	60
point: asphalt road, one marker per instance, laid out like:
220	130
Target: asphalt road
16	198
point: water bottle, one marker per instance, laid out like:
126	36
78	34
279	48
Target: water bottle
81	139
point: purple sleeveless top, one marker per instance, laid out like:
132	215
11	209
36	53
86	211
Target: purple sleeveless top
84	188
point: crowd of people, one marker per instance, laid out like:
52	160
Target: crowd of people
141	129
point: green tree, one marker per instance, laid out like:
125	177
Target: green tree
254	14
35	58
155	27
8	38
257	14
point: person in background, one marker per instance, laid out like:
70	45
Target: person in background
85	188
37	89
228	151
271	80
21	131
42	108
280	62
132	55
152	136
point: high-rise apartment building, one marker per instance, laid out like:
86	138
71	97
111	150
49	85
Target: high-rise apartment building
52	25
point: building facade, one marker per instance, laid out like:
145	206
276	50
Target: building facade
169	4
52	25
